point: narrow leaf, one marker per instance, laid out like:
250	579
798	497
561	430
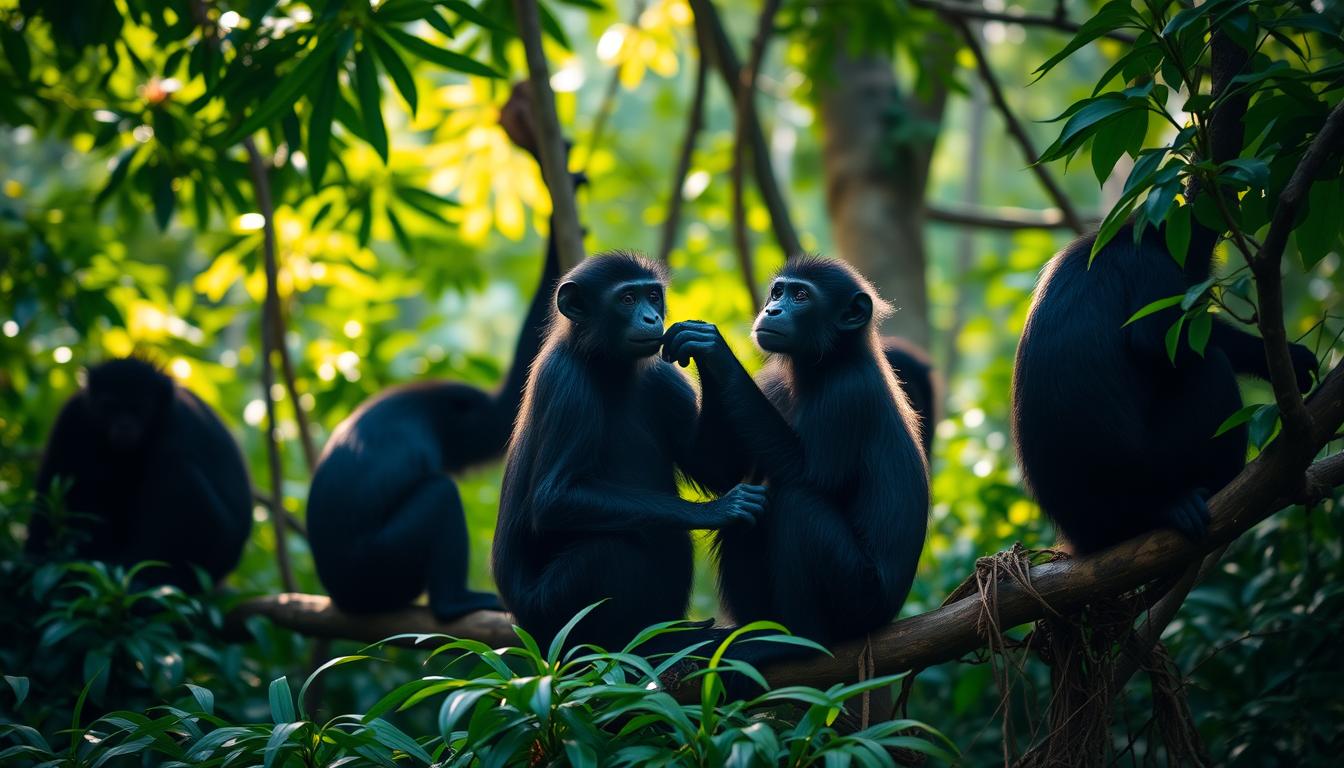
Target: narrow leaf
370	100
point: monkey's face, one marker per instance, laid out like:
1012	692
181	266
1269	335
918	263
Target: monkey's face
126	399
791	320
637	317
624	320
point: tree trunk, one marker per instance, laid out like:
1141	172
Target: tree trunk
875	186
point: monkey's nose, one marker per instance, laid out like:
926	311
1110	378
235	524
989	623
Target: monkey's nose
773	311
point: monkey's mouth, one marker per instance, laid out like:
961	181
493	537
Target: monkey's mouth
769	332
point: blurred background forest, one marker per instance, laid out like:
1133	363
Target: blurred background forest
410	248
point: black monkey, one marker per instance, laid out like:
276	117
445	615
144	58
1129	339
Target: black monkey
589	507
1113	438
153	475
918	379
385	521
837	442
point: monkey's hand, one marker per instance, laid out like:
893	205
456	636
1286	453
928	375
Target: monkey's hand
693	339
1305	365
743	505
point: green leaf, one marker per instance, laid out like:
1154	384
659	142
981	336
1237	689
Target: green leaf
465	10
456	706
403	239
1117	14
20	687
1085	122
1201	326
370	100
1173	338
440	56
393	737
552	27
1242	416
1321	230
278	740
205	699
319	123
1114	222
1195	293
1264	421
1252	171
396	69
165	199
282	701
286	92
1177	233
117	177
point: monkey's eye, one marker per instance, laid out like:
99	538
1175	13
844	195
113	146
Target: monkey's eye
627	299
776	292
655	296
800	295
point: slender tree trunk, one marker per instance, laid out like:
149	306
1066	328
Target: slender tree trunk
875	186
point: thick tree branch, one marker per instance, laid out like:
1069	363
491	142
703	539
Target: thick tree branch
966	11
695	122
1268	484
1268	262
261	184
1003	218
550	142
1015	127
315	616
745	104
711	28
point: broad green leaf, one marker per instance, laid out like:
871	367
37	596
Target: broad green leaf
279	740
1173	339
1201	326
205	699
393	737
1111	226
1177	233
20	687
1242	416
370	100
281	700
1196	292
1322	228
1263	423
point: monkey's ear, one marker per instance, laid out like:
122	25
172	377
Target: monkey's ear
569	300
857	313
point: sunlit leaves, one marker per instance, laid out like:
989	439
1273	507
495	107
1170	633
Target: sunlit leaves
650	44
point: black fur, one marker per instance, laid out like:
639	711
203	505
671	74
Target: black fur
918	379
154	476
837	443
1114	440
589	508
384	517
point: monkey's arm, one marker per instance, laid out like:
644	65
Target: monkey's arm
771	442
603	506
